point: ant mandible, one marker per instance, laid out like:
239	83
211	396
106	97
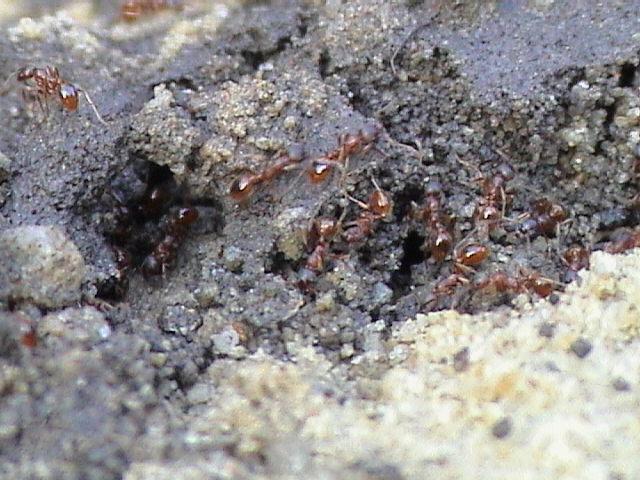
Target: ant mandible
47	83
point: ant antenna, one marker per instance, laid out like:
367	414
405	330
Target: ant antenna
93	105
413	31
6	82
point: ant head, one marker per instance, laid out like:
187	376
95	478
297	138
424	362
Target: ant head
369	132
506	171
25	73
557	213
69	97
130	10
433	188
379	203
326	227
151	266
242	188
319	170
187	216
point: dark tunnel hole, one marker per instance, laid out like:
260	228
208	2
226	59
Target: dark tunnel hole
149	221
627	75
404	200
276	263
412	254
323	63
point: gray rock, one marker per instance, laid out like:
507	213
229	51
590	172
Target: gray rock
163	134
84	326
40	264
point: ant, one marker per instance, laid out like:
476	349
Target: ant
531	282
625	240
318	169
244	186
470	255
131	10
322	232
491	208
377	208
575	258
447	286
544	220
465	257
48	83
165	251
116	286
348	144
440	240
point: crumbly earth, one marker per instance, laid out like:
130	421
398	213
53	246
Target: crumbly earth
227	365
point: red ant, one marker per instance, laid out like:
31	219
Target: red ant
348	144
321	233
378	207
318	169
624	241
440	240
492	206
324	230
504	283
165	251
466	257
575	258
470	255
131	10
544	220
244	186
47	83
447	286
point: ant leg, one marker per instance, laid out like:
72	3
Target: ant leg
375	184
470	166
413	31
294	182
44	104
30	97
415	152
559	234
93	106
345	173
362	205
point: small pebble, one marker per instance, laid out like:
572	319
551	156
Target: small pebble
502	428
461	360
554	298
621	385
547	330
233	259
581	347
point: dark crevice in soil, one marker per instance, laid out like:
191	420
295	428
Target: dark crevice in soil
256	58
627	75
412	254
403	201
277	264
323	63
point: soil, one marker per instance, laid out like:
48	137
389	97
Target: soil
208	348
